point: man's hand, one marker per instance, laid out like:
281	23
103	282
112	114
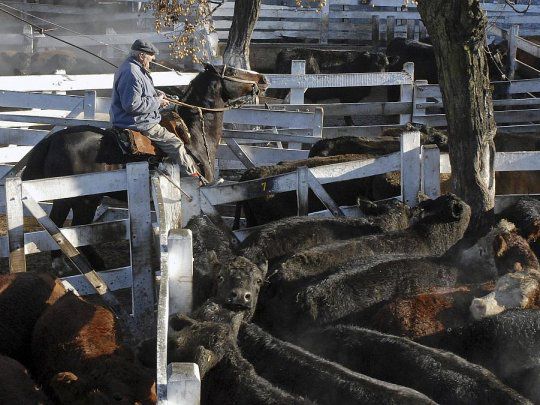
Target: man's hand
162	101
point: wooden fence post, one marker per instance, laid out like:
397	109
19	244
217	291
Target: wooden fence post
512	50
28	33
180	268
390	28
183	384
141	242
191	208
325	14
410	167
15	222
431	171
298	67
418	99
406	93
410	29
302	191
89	106
375	29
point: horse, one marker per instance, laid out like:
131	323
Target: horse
86	149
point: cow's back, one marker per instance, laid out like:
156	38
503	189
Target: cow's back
23	298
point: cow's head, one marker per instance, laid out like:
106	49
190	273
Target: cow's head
513	290
238	285
513	253
378	62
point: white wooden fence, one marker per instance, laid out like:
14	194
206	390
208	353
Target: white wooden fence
291	125
136	229
337	21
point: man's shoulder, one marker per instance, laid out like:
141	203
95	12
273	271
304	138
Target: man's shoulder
130	68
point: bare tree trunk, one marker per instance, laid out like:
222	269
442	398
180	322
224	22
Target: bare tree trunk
246	13
458	32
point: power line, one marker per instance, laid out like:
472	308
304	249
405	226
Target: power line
44	32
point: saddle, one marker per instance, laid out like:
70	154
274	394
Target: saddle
134	143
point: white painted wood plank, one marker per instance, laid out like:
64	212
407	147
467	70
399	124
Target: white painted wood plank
287	182
15	224
73	186
259	116
12	154
302	191
116	279
84	82
21	136
431	168
410	167
180	271
338	80
262	155
41	241
138	188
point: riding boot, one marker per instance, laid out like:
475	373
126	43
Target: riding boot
172	146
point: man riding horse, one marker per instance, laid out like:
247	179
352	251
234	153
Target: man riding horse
135	105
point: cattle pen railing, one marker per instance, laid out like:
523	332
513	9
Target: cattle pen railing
336	21
136	229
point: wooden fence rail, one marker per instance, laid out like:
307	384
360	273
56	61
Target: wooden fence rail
136	229
338	20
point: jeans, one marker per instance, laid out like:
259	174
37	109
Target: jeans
172	146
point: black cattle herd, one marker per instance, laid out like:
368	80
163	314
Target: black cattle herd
393	307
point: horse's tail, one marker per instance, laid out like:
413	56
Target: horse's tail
36	160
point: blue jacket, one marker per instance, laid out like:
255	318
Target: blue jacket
134	101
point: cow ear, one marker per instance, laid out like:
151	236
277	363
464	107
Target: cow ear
499	245
210	68
68	387
177	322
205	359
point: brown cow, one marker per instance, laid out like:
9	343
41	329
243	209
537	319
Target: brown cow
80	359
23	298
16	385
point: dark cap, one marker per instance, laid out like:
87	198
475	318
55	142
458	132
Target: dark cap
144	46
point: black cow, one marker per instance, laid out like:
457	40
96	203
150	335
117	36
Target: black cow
212	246
326	61
209	339
296	370
282	238
425	66
387	142
507	344
443	376
525	214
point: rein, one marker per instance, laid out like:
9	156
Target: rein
236	103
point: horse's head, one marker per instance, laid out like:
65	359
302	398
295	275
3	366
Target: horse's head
238	86
212	92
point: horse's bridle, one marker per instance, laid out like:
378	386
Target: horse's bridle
234	103
230	104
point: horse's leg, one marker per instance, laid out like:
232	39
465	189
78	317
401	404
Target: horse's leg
84	209
58	215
